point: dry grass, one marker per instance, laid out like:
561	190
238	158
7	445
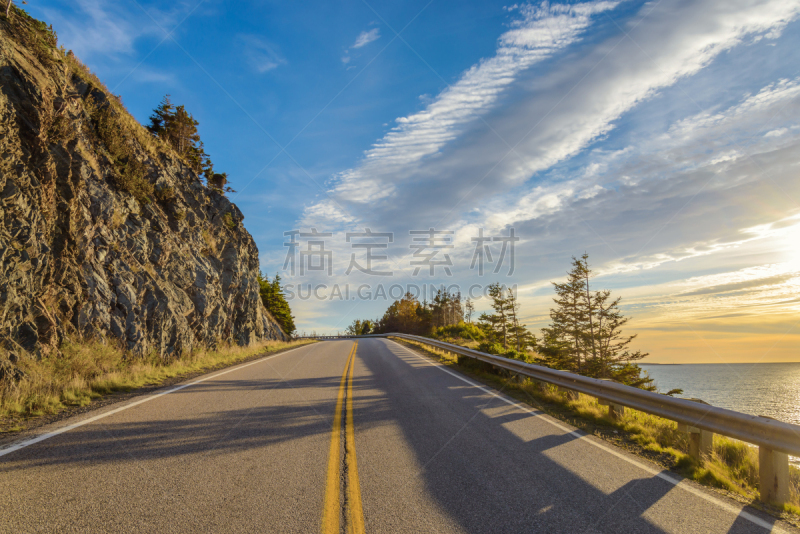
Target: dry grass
733	465
151	144
89	370
211	243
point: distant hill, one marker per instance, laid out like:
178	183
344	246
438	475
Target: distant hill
104	230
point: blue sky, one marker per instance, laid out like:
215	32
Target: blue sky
661	138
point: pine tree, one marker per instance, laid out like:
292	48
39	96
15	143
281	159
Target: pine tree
496	325
522	337
567	330
275	302
178	128
446	308
586	331
359	327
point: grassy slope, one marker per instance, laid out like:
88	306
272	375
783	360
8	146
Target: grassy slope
89	370
733	466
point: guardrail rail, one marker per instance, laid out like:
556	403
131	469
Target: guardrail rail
775	439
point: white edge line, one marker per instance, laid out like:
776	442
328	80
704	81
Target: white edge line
37	439
585	437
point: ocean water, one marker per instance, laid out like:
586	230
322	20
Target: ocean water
771	389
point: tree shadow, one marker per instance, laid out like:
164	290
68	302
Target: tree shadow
742	525
212	432
482	470
490	479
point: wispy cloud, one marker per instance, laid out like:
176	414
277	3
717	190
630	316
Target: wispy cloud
261	54
537	35
95	29
521	139
366	37
363	39
447	152
100	27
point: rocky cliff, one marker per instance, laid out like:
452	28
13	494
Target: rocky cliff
104	230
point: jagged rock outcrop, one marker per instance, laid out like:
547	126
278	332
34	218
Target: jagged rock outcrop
104	231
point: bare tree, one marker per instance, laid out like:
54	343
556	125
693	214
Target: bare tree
8	8
513	310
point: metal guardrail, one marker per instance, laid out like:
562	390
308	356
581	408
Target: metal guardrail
762	431
776	439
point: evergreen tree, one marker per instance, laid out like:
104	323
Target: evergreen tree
496	325
446	308
566	334
359	328
275	302
523	339
503	328
586	331
178	128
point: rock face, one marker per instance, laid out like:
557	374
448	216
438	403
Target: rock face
79	254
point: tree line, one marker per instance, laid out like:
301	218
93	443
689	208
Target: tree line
584	336
178	128
410	316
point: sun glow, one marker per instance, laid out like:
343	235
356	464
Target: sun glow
792	243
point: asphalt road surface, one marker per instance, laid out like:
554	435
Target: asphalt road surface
325	438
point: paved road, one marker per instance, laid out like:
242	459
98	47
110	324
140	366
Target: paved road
253	450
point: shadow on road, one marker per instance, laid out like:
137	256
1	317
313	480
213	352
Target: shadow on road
275	419
493	473
483	462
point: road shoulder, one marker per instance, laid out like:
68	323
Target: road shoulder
614	442
39	425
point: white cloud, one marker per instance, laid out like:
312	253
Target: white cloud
95	29
367	37
100	27
448	152
261	54
755	291
776	133
767	97
667	199
536	36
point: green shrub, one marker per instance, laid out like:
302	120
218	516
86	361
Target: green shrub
475	365
112	133
33	34
499	350
164	195
229	221
461	330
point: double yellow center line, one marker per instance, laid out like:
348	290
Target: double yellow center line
331	513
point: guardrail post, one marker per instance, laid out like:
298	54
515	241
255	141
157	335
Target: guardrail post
701	442
568	393
773	476
615	411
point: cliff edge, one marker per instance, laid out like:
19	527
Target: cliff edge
104	230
